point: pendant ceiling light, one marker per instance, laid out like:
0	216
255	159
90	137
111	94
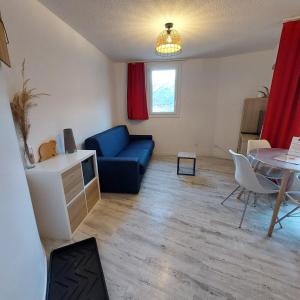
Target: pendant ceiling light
168	42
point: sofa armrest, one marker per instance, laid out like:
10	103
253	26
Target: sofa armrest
135	137
119	174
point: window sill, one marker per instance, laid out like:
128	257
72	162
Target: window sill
162	115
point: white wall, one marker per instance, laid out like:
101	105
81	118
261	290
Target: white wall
195	127
22	260
62	63
240	76
212	95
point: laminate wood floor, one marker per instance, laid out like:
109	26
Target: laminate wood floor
174	240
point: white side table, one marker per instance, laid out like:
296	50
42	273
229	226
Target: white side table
186	155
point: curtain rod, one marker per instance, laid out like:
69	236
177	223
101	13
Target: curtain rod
291	19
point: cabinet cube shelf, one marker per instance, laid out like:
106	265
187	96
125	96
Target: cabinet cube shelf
64	189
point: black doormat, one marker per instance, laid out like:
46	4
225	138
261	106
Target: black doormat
75	273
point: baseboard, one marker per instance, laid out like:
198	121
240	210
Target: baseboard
162	154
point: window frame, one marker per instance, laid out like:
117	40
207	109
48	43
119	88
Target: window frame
163	66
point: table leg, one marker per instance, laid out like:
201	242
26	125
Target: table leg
194	167
280	196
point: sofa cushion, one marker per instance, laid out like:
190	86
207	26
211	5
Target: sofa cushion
141	144
110	142
143	156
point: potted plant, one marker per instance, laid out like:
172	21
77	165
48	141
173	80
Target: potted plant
20	105
264	93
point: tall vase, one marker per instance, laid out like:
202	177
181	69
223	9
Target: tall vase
28	156
70	146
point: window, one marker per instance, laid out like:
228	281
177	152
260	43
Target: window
163	89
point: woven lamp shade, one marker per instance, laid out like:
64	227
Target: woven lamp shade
168	42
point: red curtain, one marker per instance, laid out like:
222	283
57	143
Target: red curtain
282	120
136	92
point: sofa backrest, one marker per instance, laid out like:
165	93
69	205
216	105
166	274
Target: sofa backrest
110	142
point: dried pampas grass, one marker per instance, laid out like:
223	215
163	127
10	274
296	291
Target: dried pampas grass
21	104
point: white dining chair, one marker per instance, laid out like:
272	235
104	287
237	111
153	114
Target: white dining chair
294	183
269	172
257	144
293	194
295	198
250	181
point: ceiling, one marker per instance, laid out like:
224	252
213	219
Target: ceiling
126	30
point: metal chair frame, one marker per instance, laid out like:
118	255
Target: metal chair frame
248	180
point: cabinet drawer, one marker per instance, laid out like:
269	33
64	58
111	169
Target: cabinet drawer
77	211
92	194
72	182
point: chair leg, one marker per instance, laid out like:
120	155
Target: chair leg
278	221
255	200
230	194
285	201
270	200
240	194
244	211
288	214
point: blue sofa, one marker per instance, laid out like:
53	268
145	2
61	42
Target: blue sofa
122	158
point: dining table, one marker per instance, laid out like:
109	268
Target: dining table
267	156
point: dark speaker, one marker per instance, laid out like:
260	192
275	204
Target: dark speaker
70	146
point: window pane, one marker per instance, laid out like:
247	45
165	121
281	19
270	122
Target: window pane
163	91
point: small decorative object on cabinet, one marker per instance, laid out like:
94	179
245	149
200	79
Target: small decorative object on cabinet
251	123
64	189
47	150
70	146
